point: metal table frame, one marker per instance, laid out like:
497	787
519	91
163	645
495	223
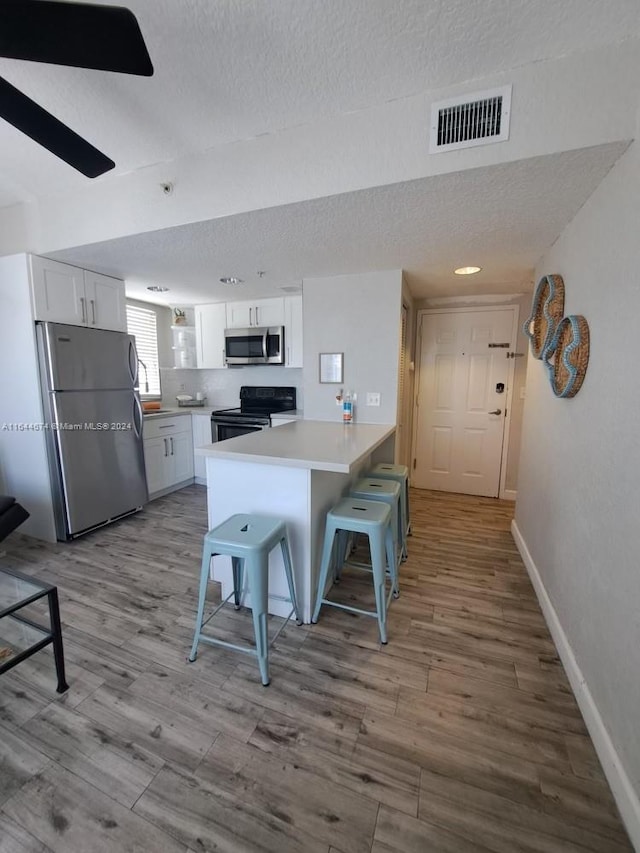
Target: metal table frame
52	635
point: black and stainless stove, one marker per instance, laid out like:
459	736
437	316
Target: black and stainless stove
257	404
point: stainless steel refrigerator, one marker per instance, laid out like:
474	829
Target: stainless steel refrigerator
93	423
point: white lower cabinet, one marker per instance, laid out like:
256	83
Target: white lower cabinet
168	453
201	431
156	464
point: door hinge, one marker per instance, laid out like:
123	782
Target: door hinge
499	346
515	355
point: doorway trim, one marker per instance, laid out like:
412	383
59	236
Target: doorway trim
503	492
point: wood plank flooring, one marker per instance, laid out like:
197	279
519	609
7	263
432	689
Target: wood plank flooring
460	736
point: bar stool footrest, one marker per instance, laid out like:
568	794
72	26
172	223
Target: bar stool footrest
213	641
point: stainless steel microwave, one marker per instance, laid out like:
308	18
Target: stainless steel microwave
256	345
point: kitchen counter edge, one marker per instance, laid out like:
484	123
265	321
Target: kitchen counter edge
288	446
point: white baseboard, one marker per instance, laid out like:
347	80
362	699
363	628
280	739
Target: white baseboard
509	495
626	798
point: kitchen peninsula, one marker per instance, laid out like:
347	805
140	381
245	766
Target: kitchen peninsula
296	472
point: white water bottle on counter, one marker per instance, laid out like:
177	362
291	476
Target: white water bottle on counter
347	408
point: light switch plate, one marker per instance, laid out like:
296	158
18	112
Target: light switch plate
373	398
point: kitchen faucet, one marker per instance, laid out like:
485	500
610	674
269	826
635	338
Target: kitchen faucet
146	376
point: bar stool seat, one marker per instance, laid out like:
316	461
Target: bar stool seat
372	518
248	540
399	473
389	492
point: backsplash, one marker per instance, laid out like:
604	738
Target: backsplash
222	387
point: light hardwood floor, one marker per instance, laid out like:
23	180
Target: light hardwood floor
460	736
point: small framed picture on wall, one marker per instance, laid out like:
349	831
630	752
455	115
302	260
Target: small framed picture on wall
331	367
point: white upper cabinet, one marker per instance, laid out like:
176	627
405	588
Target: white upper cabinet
66	294
58	292
258	312
210	325
293	331
106	305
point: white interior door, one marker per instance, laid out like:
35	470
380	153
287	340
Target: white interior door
461	407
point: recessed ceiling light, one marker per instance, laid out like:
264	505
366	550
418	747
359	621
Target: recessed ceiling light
467	270
155	288
231	279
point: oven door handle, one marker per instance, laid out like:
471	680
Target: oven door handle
225	423
239	423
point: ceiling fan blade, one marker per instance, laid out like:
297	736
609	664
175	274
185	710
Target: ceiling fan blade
46	130
83	35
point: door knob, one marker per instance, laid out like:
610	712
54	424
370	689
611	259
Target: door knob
497	412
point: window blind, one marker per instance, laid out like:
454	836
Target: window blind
142	324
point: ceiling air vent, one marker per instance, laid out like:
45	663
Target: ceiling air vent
477	119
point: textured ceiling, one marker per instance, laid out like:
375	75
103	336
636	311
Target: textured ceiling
501	218
234	69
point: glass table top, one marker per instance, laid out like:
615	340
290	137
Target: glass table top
15	589
16	637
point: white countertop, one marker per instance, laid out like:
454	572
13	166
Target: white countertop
317	445
171	412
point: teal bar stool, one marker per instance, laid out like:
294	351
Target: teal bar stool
373	519
399	473
389	492
248	540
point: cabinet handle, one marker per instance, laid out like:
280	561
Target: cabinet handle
93	311
288	356
250	317
257	322
166	449
166	426
84	309
171	440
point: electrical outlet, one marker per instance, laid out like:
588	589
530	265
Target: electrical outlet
373	398
182	386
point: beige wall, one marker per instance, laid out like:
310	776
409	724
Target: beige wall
358	315
578	507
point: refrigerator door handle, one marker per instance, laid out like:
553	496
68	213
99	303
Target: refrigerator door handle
93	311
133	364
84	309
137	409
